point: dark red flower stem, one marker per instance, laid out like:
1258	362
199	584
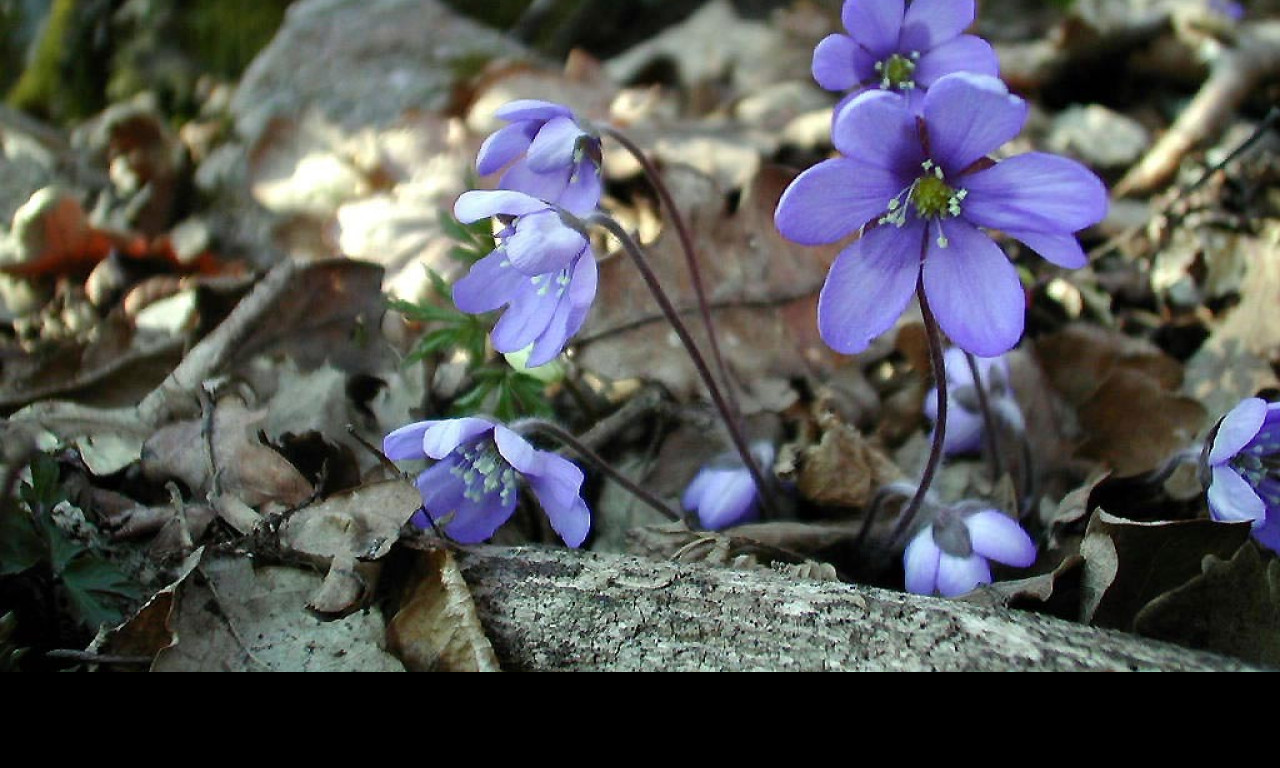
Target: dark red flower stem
736	433
567	439
938	363
690	255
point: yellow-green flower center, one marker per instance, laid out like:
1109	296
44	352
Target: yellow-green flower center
897	73
932	197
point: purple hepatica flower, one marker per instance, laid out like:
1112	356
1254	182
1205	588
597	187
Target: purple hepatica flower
543	270
555	158
472	488
950	557
723	493
965	424
1242	462
920	213
901	48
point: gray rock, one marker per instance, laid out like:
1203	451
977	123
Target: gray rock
1099	137
363	63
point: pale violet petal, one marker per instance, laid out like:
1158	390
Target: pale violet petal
966	53
1035	192
502	147
553	148
929	23
967	117
483	203
920	561
961	575
996	536
1232	500
875	25
1238	428
532	109
870	284
833	63
443	437
974	291
405	443
834	199
1061	249
878	130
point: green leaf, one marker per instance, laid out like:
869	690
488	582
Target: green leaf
44	492
62	550
20	544
99	591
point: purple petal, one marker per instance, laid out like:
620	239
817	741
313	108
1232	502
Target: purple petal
491	283
552	149
869	286
522	457
443	437
526	319
699	488
481	204
930	23
1035	192
1268	535
964	429
961	575
1232	500
541	186
966	53
1238	428
1056	248
833	63
998	537
968	117
729	502
558	488
571	312
532	109
878	130
834	199
542	243
920	561
405	443
503	146
974	291
875	24
466	520
582	194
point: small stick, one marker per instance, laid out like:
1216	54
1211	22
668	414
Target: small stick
988	419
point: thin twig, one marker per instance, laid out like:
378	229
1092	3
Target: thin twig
699	362
690	255
66	654
567	439
938	363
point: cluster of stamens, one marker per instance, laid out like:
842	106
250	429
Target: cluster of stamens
932	198
544	283
483	470
897	71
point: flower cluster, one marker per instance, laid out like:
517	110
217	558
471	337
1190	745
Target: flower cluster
543	269
1242	466
471	490
724	493
951	556
901	48
965	424
919	189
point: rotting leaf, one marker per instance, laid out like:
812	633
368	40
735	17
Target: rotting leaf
437	628
1129	564
1233	607
1055	592
843	469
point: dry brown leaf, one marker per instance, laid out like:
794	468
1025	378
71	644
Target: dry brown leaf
437	629
1129	564
843	469
246	470
235	617
763	288
151	629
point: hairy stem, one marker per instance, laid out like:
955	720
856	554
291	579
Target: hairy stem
937	362
690	256
567	439
736	433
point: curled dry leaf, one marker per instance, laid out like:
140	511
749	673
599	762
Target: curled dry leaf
843	469
437	629
1128	564
151	629
244	468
